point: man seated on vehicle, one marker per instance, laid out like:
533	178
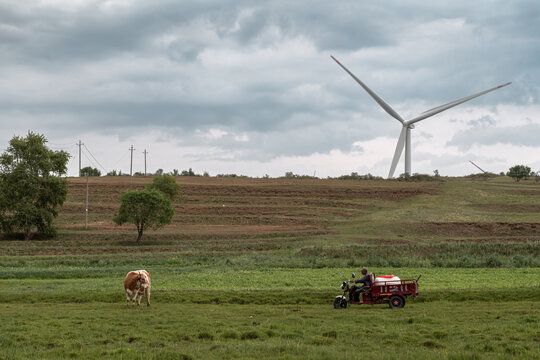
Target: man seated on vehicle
365	280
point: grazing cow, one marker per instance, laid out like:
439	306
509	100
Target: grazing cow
137	283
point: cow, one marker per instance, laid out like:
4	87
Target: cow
137	283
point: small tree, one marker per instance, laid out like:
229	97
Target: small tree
518	172
90	171
189	172
31	188
166	184
146	209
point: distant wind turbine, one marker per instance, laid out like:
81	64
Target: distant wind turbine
482	170
405	136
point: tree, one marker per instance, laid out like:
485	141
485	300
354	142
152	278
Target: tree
188	173
289	174
146	209
518	172
31	187
90	171
166	184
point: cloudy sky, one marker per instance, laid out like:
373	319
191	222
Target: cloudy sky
249	87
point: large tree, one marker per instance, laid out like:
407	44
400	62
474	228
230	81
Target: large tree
146	209
31	186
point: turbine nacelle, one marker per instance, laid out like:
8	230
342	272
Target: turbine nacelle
404	140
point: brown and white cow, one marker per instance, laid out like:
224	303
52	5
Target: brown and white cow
137	283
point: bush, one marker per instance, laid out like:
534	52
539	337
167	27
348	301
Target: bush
418	177
90	171
166	184
518	172
493	261
356	176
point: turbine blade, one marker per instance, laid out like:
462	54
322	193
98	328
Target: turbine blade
375	97
397	154
442	108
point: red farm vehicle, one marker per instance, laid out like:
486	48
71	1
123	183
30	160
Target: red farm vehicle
383	289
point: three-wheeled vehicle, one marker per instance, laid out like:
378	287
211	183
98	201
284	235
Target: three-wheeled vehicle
383	289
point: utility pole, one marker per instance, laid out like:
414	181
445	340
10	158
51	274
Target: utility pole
79	144
145	152
131	164
86	215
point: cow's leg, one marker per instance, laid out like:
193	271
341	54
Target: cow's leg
147	292
140	297
136	292
128	293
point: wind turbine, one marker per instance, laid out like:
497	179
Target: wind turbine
405	136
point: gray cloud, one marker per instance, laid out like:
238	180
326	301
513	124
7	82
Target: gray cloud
524	135
261	68
483	122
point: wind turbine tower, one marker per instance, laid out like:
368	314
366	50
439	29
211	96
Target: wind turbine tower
407	125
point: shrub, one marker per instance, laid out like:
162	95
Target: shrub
166	184
518	172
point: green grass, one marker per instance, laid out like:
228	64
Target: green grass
249	269
419	331
231	284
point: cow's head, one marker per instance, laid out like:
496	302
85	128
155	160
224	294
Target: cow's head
142	280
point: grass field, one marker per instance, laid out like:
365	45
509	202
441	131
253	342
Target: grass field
187	331
249	269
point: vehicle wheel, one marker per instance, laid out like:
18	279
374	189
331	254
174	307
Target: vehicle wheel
340	302
397	302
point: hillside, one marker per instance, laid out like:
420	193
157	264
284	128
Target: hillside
456	222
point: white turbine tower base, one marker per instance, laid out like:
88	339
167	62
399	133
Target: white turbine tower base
404	140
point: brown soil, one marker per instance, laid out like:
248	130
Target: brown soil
519	208
220	215
478	229
237	205
524	192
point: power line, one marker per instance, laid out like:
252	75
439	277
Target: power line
65	148
90	160
121	158
94	158
55	144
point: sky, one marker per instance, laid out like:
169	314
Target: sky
248	87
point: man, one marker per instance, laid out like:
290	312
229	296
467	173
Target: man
365	280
